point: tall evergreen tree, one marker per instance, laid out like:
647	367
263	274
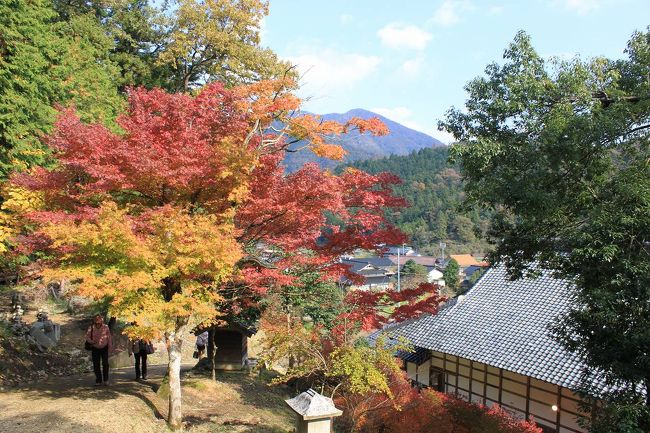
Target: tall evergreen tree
43	63
450	274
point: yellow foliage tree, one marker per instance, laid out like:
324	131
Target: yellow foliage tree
219	40
17	202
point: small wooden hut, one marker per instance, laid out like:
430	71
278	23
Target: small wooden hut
231	343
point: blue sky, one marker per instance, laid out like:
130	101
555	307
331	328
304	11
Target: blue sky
410	59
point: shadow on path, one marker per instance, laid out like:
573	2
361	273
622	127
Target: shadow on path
83	387
48	422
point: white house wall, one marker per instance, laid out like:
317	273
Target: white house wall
522	396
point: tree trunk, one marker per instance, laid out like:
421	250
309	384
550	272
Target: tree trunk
213	353
292	360
174	342
210	347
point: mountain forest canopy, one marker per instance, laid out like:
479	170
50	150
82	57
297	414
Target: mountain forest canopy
434	190
559	151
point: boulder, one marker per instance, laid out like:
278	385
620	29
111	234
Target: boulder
43	342
49	328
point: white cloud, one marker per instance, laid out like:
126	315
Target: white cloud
398	114
346	19
443	136
412	67
449	12
325	71
396	35
582	7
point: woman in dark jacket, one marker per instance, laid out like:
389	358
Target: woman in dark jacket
140	349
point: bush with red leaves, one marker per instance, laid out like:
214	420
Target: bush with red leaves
427	411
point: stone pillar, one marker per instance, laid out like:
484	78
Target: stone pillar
314	413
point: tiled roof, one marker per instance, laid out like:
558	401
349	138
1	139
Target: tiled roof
505	324
465	260
380	262
417	356
471	269
355	266
420	260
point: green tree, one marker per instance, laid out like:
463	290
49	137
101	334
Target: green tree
136	30
413	270
450	274
464	229
313	296
42	63
441	225
560	151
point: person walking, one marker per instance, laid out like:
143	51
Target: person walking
140	349
99	337
201	342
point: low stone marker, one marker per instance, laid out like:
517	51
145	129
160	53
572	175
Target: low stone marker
314	412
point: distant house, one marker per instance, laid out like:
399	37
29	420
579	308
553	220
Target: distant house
494	346
384	263
434	274
420	260
471	273
376	273
465	260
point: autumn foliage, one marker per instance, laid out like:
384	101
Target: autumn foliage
424	411
185	188
164	217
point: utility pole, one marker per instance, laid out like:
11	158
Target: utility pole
399	249
398	269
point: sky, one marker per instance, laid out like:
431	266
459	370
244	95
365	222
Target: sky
410	59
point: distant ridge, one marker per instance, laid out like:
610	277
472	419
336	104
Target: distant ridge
401	141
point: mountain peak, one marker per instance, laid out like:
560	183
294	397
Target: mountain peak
400	141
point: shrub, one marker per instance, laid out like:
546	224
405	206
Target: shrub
427	411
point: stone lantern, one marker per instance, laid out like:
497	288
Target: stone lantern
315	413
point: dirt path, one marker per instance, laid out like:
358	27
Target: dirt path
73	404
235	403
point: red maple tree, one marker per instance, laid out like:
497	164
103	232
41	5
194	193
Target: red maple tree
162	215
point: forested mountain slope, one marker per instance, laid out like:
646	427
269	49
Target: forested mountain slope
434	189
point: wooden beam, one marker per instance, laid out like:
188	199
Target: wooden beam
500	386
528	399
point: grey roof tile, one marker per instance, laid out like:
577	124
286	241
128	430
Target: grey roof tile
505	324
